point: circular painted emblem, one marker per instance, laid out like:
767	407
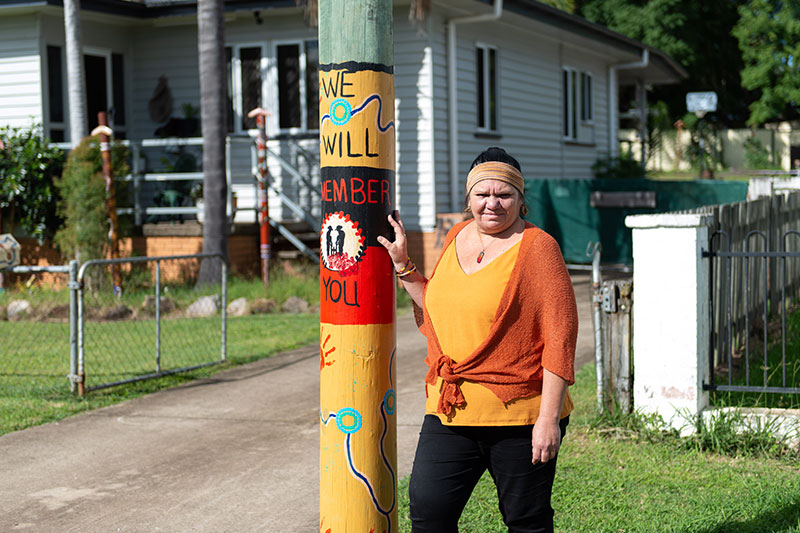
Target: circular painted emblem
340	111
348	420
341	243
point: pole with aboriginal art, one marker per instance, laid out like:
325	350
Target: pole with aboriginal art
358	432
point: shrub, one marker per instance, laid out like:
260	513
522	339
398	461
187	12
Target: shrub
756	156
623	166
83	205
28	168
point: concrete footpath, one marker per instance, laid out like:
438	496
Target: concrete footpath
235	453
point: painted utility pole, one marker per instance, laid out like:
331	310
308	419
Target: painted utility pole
358	430
111	196
263	175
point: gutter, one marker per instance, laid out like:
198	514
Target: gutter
613	96
455	198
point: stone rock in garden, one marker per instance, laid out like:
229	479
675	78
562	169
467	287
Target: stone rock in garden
18	309
295	305
262	306
205	306
117	312
238	307
168	305
314	309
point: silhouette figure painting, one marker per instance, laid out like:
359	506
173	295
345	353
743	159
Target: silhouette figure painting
342	243
339	240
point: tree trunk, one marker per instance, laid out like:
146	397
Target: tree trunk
76	83
211	49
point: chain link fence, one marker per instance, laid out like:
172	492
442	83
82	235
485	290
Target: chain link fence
109	322
38	338
144	317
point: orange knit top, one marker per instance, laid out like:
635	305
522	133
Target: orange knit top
535	327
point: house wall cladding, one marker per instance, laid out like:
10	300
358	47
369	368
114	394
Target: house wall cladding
97	38
174	53
20	71
530	58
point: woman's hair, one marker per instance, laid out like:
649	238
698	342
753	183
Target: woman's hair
496	153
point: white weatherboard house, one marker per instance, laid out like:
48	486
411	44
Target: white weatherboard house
519	74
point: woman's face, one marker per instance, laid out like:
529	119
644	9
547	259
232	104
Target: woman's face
495	205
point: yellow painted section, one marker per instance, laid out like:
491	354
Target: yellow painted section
358	435
357	125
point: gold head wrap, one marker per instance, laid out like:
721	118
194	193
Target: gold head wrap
496	170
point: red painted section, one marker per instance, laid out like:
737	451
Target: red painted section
353	298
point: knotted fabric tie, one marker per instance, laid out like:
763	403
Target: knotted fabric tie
451	395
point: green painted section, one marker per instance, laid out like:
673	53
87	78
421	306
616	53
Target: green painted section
561	208
356	30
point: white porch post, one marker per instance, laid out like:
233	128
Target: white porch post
670	316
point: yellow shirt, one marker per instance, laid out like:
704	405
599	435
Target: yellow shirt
462	309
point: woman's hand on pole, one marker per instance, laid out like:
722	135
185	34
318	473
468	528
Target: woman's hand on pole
398	250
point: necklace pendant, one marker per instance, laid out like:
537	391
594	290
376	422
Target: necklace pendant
480	257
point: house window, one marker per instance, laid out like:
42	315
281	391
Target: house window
245	70
586	97
486	63
296	90
577	94
55	93
118	91
298	85
251	80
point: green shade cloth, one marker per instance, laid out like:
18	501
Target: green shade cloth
561	207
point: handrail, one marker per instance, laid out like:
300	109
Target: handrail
293	171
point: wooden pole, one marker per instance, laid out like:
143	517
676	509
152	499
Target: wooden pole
263	175
111	201
358	431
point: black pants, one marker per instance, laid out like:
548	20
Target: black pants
451	459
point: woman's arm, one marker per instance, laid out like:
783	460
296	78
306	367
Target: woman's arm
546	437
414	282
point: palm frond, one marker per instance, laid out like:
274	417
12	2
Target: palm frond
419	10
310	11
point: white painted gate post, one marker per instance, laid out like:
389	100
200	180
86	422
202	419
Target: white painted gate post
670	316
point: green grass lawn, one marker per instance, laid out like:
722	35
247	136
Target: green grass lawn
34	389
610	484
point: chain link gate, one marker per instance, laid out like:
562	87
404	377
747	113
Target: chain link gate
129	335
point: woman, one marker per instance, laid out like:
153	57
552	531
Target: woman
500	318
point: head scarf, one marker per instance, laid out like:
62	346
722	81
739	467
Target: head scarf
496	170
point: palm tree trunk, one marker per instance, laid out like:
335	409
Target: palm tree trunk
76	83
211	49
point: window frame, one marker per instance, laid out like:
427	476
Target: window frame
107	55
489	89
237	102
569	125
587	97
302	74
49	122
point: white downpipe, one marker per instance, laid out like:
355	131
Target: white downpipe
613	105
452	70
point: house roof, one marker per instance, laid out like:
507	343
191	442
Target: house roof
661	68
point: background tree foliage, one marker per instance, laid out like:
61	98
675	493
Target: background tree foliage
28	166
695	34
769	37
83	205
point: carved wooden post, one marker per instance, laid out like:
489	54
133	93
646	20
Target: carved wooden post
358	452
